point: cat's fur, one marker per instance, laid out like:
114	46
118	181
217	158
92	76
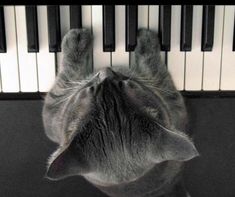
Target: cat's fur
122	129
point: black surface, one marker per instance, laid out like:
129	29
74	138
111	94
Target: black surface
23	96
213	173
165	27
186	27
25	149
54	32
3	47
208	20
32	28
187	94
108	28
208	94
131	27
75	16
24	153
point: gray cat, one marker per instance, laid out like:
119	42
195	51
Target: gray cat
121	129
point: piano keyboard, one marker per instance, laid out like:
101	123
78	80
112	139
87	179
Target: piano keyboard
197	43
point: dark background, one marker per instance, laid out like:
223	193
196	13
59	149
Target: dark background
24	150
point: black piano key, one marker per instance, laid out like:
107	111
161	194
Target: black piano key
54	32
165	27
208	20
108	28
32	28
131	27
186	27
75	16
3	47
234	36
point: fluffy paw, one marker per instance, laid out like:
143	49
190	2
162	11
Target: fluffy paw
147	42
76	44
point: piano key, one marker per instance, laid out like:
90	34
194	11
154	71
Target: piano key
212	59
32	28
86	23
54	32
175	56
143	16
154	17
228	57
45	59
64	26
86	16
208	27
136	19
108	28
64	20
3	48
234	37
27	61
194	58
131	27
9	60
120	56
165	27
2	38
100	59
186	27
0	80
154	25
75	16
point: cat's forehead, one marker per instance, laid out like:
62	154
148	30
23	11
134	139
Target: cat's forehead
112	93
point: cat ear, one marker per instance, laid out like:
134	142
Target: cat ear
64	163
173	146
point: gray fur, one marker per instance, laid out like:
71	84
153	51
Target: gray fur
122	129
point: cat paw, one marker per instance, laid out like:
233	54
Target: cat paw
147	42
76	43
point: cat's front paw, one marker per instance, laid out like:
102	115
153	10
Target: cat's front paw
147	42
76	43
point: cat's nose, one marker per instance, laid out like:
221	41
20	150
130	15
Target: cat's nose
106	73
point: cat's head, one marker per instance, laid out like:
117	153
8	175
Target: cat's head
117	131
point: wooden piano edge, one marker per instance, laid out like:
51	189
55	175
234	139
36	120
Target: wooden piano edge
187	94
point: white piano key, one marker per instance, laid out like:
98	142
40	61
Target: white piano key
228	56
143	16
9	60
64	20
0	77
212	59
64	26
86	16
86	23
194	58
175	56
120	56
45	60
154	17
154	24
27	61
100	59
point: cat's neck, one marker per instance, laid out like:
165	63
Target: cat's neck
150	185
